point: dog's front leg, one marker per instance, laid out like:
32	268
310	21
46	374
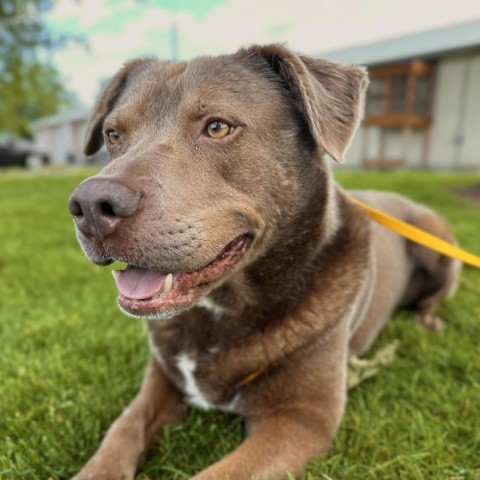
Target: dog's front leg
276	446
157	404
284	435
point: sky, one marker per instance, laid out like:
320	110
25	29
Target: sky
114	31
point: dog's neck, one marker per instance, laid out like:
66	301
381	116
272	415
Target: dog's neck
304	285
291	262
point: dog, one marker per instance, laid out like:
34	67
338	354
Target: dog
256	274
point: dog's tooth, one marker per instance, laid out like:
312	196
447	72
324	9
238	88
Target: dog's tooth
167	286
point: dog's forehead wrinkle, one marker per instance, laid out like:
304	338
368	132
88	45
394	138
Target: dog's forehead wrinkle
166	73
173	70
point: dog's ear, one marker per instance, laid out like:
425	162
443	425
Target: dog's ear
330	96
94	131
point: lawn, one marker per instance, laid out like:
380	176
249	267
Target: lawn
70	361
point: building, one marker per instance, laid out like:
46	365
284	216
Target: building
423	103
61	137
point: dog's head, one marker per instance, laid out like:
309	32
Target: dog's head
209	161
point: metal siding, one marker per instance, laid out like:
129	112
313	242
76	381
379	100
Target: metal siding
455	140
448	83
470	153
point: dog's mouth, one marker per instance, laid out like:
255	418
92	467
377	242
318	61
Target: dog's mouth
156	294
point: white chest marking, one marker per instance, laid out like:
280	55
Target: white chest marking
216	310
187	366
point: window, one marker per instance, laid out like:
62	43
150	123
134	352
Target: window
398	101
399	93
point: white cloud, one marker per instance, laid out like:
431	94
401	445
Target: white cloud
87	12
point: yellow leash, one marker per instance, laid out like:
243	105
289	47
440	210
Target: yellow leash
419	236
250	377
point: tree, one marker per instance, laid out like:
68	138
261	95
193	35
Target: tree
30	87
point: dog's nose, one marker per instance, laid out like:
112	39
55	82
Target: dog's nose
99	206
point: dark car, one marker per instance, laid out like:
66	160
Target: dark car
16	155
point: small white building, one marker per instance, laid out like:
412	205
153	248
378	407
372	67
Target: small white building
423	102
61	137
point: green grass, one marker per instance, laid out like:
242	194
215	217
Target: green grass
70	362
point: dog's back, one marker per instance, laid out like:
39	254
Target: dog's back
407	274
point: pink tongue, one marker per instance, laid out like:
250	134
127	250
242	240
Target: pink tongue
139	283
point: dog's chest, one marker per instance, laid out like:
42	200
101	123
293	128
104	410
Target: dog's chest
189	362
188	369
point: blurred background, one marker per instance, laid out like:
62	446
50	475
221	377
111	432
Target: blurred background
423	105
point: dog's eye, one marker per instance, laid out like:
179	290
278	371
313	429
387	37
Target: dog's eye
218	129
113	136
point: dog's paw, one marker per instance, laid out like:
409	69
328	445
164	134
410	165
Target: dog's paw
431	321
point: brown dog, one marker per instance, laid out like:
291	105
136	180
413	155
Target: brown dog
257	275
